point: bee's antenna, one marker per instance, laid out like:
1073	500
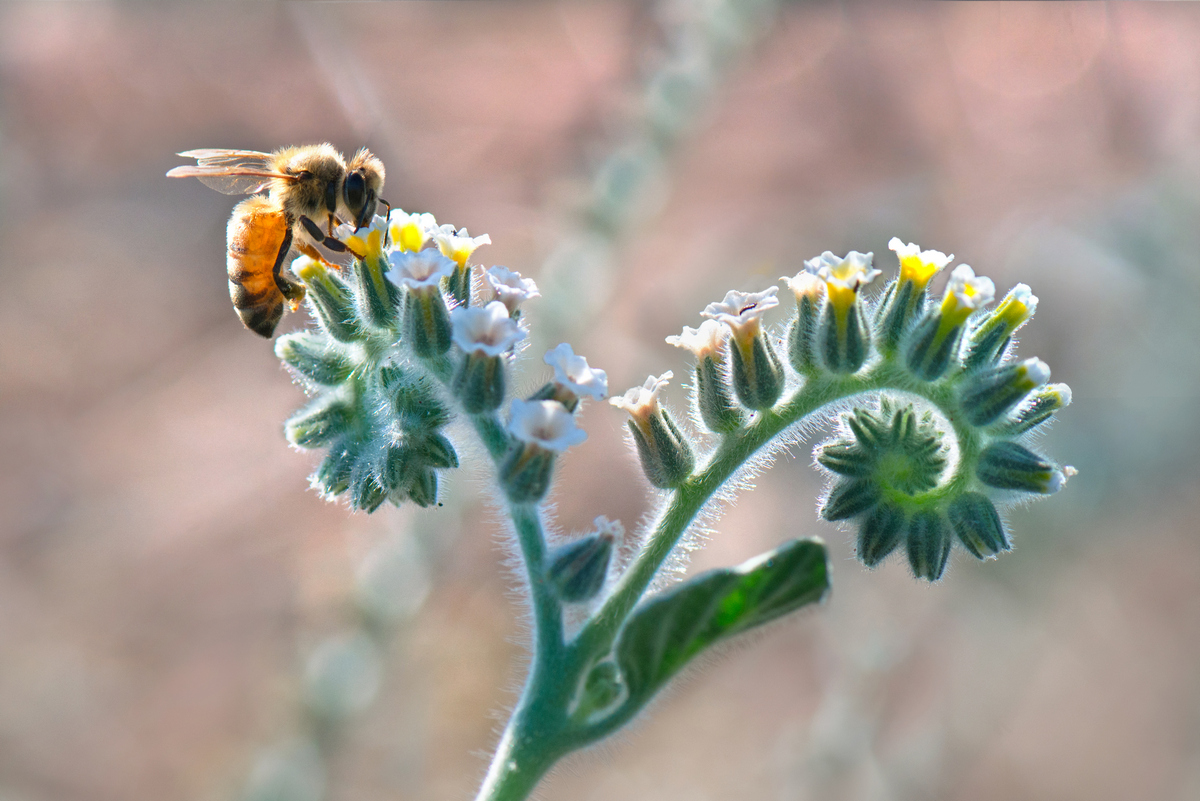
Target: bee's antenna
387	228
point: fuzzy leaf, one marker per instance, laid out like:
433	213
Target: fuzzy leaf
666	632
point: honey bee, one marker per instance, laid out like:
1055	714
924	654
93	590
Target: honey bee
309	191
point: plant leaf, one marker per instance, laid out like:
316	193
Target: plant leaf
664	633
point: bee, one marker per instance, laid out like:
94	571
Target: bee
309	190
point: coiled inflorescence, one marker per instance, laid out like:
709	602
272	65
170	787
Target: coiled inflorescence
941	373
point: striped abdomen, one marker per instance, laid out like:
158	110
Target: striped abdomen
256	233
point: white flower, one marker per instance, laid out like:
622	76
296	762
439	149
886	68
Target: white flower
918	265
609	528
641	402
967	290
458	245
546	424
416	270
411	231
805	284
488	330
703	341
511	289
742	311
849	273
573	373
1017	307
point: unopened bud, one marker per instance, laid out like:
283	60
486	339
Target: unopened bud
576	571
319	423
366	492
423	489
315	357
850	498
665	453
332	476
717	408
479	382
526	471
988	394
757	372
427	322
1007	465
978	526
928	544
880	533
435	450
1042	405
932	344
990	339
330	300
378	298
844	338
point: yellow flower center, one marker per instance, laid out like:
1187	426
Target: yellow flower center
917	270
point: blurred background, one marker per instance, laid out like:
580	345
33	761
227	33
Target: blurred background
180	617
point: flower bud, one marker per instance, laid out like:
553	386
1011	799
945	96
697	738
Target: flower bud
707	343
526	471
1041	407
378	298
757	373
928	544
975	521
802	334
366	492
717	407
320	423
880	533
989	340
423	488
576	571
315	357
843	337
1007	465
850	498
435	451
664	451
400	466
332	476
427	322
479	382
988	394
329	299
414	401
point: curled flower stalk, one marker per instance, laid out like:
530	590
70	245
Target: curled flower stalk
934	436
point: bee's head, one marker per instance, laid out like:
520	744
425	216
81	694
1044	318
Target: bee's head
360	190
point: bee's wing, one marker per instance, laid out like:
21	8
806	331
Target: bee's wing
231	172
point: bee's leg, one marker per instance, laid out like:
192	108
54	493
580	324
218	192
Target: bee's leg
314	230
290	288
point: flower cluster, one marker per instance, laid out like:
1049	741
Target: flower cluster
400	338
892	472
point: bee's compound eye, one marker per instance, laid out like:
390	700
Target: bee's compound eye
355	192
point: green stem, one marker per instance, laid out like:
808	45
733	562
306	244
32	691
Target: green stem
540	731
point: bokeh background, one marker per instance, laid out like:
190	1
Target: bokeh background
177	608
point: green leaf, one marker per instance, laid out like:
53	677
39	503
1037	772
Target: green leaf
663	634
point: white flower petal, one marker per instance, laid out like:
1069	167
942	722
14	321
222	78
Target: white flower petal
546	424
572	372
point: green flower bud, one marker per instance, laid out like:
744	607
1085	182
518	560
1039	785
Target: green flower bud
427	322
932	345
526	471
459	285
850	498
757	372
988	394
802	334
928	544
435	450
329	300
576	571
366	492
423	489
479	382
332	477
1041	407
717	407
414	400
990	339
400	466
1007	465
902	304
665	453
321	422
844	339
880	533
975	521
316	358
378	298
